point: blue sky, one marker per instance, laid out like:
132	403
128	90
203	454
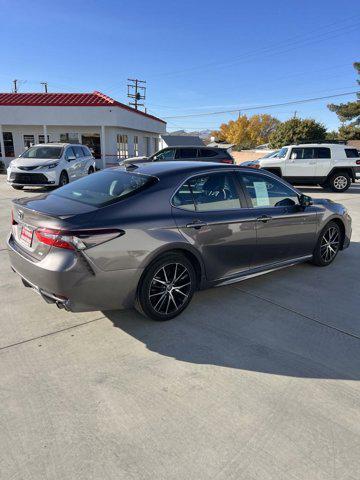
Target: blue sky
197	56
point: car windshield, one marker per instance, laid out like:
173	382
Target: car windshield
42	152
106	187
282	153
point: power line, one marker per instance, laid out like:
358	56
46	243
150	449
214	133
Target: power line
289	45
243	109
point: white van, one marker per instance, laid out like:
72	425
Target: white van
50	164
329	165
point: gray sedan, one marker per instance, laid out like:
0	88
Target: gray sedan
150	235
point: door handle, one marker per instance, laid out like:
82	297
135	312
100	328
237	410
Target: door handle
263	218
197	225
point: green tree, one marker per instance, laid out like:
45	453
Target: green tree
247	132
349	112
297	130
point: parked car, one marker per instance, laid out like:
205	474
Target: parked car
328	165
203	154
152	234
50	164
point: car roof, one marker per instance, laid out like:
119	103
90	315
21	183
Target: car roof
180	167
58	144
341	145
191	146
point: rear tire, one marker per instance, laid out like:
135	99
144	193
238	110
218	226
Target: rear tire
90	171
328	245
17	187
339	181
167	287
64	179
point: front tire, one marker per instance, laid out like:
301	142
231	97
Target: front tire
340	181
167	287
64	179
328	245
90	171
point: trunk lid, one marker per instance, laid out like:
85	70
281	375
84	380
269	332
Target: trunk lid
45	211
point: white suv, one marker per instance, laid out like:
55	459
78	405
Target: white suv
50	164
325	164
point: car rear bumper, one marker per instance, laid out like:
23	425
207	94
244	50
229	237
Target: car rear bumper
75	283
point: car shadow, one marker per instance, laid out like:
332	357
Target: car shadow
244	328
354	189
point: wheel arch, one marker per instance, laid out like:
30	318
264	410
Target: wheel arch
348	170
180	248
341	225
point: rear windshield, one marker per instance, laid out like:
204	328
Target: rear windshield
106	187
42	152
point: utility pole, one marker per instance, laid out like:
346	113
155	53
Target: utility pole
45	86
136	90
295	113
15	85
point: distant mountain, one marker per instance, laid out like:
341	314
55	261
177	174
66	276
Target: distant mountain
197	133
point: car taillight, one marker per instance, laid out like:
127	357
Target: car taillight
255	165
54	238
76	240
357	162
227	160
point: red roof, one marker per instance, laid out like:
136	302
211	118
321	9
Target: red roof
95	99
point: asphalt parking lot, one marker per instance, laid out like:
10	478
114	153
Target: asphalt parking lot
258	380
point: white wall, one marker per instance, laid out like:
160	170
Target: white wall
85	116
18	132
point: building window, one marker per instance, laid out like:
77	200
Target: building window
41	138
122	146
8	144
136	146
29	140
69	137
147	146
156	144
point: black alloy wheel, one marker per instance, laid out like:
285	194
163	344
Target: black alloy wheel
167	287
328	245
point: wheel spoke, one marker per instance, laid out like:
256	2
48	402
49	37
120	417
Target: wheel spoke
169	288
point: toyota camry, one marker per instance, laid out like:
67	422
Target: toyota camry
150	235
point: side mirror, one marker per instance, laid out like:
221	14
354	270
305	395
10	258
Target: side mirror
305	201
71	158
293	156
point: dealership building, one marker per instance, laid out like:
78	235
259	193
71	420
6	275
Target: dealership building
112	129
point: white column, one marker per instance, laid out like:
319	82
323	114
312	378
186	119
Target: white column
45	133
102	146
2	145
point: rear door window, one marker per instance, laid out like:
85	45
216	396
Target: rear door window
184	153
322	152
352	153
204	152
217	191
